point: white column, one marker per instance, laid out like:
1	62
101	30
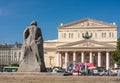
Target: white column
74	56
58	59
90	58
82	57
17	56
66	59
115	65
99	59
107	60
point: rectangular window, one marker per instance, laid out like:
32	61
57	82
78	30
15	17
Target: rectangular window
63	35
110	35
103	35
70	35
95	35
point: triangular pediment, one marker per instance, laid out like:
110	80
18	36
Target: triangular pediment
87	44
90	23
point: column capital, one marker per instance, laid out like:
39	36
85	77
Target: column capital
57	52
99	51
107	51
83	52
66	51
74	51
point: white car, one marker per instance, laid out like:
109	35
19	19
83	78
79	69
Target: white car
100	72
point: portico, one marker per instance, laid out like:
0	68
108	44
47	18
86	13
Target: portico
96	59
99	56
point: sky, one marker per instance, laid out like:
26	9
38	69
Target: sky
16	15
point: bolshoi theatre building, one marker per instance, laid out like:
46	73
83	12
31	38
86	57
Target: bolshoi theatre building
84	41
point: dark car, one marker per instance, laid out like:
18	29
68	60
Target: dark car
1	70
102	72
60	71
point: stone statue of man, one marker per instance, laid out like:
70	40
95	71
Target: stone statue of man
33	56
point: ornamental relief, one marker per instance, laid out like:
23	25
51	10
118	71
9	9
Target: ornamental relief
88	24
87	44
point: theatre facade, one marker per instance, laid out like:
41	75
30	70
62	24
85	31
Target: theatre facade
84	41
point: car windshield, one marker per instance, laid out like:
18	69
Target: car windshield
100	70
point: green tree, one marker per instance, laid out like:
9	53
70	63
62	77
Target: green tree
116	54
15	64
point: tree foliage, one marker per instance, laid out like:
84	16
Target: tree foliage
118	44
15	64
116	54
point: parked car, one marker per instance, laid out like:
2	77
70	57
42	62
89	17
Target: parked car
95	72
49	69
1	70
60	71
100	72
67	73
76	72
114	72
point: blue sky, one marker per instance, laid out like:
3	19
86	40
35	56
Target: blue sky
16	15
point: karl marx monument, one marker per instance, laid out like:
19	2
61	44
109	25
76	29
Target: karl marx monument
32	48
